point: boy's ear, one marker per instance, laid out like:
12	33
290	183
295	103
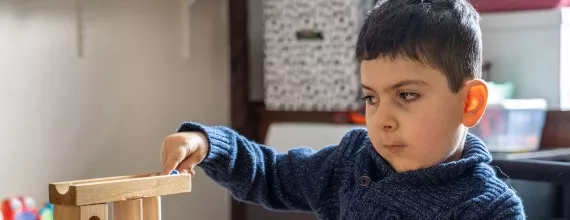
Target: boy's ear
476	95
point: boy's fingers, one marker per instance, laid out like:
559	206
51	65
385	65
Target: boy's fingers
172	162
188	165
191	172
168	167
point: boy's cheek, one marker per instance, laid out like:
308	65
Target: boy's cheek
428	133
425	132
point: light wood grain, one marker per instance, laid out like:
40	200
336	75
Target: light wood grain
151	208
89	212
128	210
103	179
106	190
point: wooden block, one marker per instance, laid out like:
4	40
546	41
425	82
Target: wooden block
105	190
128	210
151	208
90	212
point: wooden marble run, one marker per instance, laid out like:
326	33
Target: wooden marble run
135	197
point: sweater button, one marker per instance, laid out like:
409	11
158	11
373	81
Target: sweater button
364	181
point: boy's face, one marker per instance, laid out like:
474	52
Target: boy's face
414	120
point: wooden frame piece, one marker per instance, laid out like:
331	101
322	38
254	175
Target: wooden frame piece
90	212
134	197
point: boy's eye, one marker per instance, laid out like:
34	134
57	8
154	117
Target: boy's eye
369	99
408	96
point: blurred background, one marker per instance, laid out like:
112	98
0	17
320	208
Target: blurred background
90	89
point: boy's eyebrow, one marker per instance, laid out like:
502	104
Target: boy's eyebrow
366	87
399	84
408	82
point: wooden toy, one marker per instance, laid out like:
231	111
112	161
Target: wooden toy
135	197
19	208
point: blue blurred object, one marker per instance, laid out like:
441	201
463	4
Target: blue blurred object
174	172
26	216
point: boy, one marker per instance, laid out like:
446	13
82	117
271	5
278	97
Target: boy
421	64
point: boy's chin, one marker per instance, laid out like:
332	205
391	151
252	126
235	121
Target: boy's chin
401	168
404	166
402	162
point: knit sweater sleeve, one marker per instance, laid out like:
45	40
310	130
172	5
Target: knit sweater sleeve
507	206
496	203
256	173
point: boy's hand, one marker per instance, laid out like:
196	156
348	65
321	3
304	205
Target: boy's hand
183	151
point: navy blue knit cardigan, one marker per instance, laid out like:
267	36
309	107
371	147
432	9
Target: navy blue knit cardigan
352	181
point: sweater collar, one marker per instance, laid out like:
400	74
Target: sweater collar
474	152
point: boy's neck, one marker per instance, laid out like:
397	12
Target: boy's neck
459	149
456	155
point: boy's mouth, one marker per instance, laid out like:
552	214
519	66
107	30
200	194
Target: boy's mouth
394	148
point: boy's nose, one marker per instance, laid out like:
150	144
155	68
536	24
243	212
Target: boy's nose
386	122
387	127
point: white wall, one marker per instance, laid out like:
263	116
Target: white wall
530	49
65	118
284	136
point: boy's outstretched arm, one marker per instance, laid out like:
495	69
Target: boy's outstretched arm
256	173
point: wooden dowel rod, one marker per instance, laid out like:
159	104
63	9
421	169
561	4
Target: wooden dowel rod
151	208
127	210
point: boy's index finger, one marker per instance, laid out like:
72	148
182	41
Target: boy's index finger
171	164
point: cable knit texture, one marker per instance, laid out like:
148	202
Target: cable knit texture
352	181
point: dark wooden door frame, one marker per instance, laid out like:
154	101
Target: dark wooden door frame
242	117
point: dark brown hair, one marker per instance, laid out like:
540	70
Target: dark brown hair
444	34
